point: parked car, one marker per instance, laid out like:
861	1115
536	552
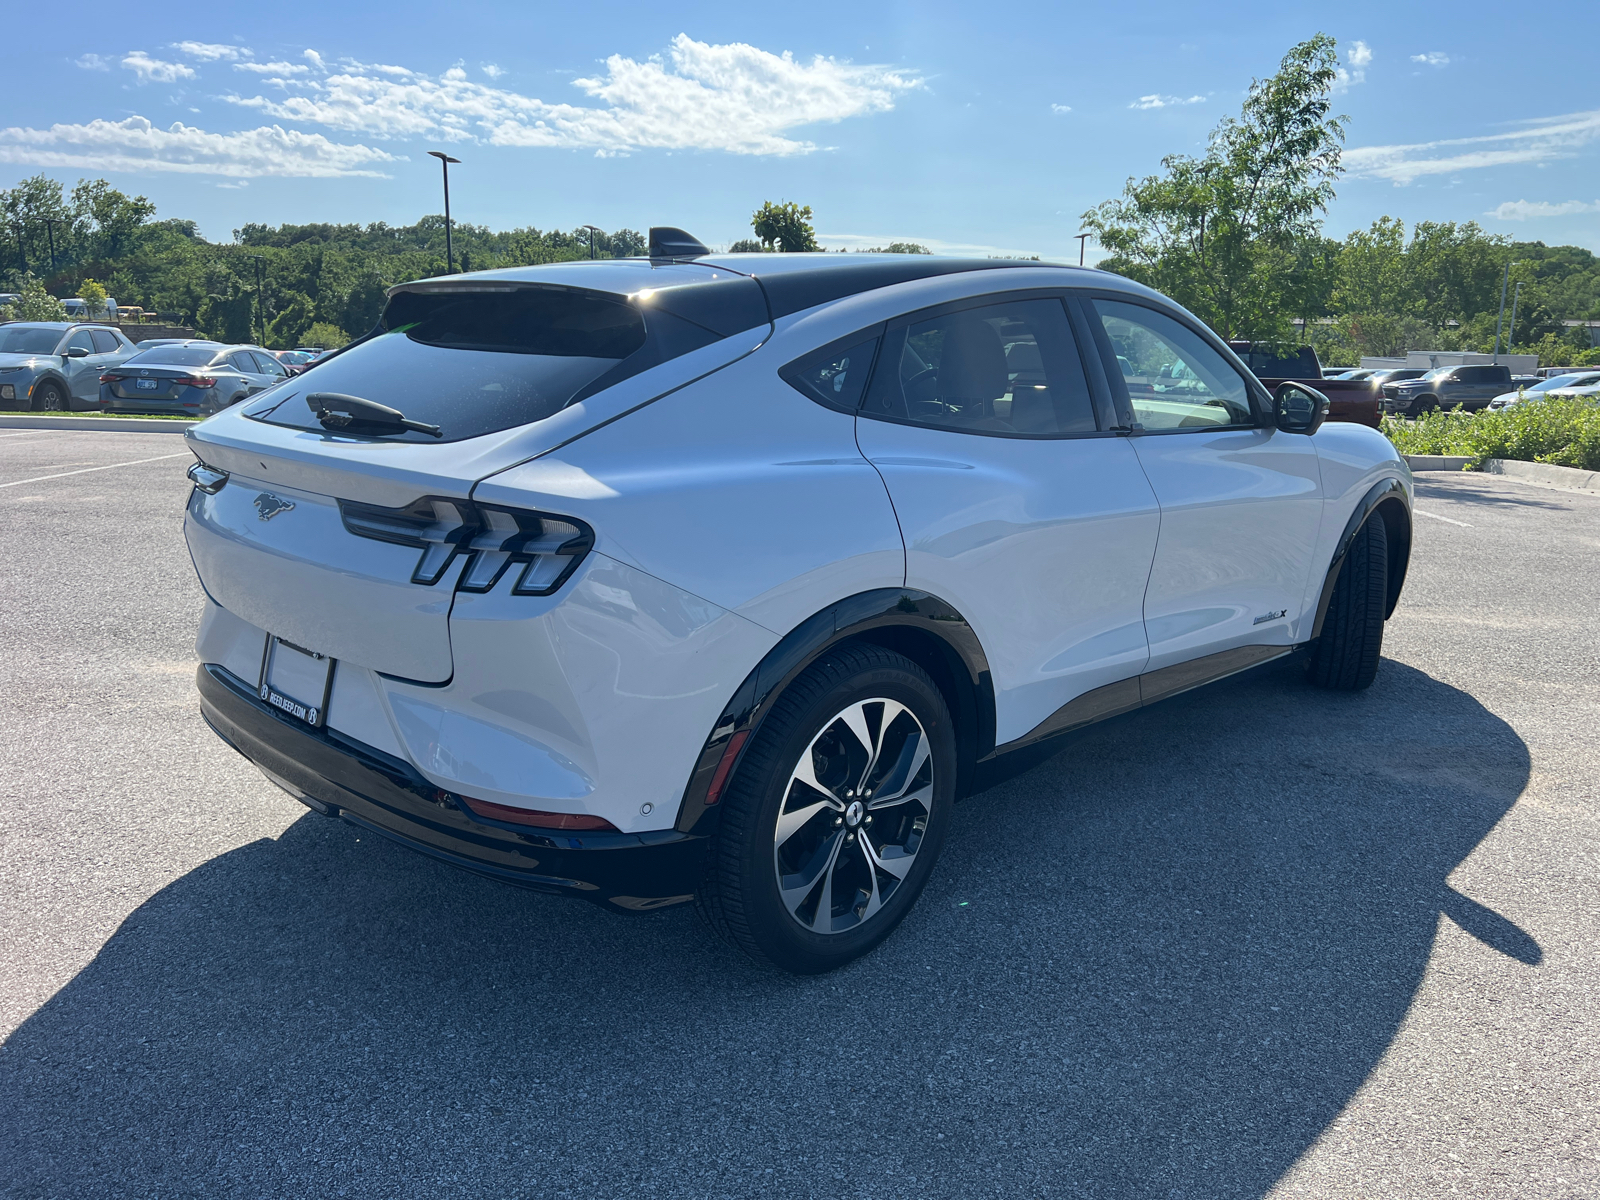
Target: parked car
54	366
197	378
78	309
720	577
1356	373
1545	387
1394	375
1349	399
294	361
1468	387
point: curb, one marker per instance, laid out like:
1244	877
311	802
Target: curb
97	424
1570	478
1438	462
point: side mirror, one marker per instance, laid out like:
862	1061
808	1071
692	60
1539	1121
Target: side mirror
1297	408
75	352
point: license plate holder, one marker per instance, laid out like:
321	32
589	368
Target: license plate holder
147	385
296	681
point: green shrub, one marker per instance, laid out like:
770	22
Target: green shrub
1564	431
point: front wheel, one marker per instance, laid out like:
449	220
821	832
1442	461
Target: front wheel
836	815
50	396
1345	655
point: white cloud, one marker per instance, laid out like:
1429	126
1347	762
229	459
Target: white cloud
153	70
1433	58
137	145
492	71
234	184
1543	139
209	51
1359	56
1061	108
1522	210
315	59
93	62
734	98
1159	101
273	68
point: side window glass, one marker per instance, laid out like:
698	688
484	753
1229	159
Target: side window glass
80	340
243	360
1174	378
104	341
835	375
1008	369
269	365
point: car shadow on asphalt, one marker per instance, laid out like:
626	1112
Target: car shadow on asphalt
1157	965
1450	489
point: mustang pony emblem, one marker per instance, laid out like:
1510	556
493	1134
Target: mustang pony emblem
270	506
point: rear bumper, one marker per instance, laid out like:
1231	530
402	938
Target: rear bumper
630	872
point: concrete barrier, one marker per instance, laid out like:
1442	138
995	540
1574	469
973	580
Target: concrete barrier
1438	462
1547	474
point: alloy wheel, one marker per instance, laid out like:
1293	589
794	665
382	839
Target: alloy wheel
854	815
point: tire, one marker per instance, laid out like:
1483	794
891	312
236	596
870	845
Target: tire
1345	657
50	396
765	888
1424	404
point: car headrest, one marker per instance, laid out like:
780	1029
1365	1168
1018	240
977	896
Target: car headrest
972	362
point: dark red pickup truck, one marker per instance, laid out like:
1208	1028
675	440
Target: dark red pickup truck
1354	400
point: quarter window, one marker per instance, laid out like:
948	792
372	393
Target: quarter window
836	375
1009	369
1172	378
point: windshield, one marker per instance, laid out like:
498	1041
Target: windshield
1438	373
24	339
1561	381
173	356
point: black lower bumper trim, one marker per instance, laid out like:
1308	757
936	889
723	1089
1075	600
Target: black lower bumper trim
631	872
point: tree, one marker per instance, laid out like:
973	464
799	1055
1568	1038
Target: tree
94	299
1218	233
36	304
329	337
747	246
899	248
786	224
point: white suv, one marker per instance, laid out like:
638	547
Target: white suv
721	577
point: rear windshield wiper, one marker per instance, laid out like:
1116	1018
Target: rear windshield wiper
353	414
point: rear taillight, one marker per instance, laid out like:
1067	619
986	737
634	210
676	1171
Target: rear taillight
199	381
548	548
112	378
537	818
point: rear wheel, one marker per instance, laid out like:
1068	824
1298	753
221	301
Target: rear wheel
50	396
1345	657
836	815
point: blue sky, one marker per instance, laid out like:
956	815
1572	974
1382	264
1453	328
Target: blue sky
971	127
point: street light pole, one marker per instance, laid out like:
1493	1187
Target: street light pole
261	307
1502	315
449	253
593	229
1511	330
22	247
1083	240
50	224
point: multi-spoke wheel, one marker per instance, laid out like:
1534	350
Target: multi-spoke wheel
836	813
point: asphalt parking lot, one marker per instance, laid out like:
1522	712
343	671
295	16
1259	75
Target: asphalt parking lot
1261	941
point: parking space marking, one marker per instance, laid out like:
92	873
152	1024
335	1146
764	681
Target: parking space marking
84	471
1446	520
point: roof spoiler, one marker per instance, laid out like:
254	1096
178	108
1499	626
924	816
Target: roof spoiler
668	242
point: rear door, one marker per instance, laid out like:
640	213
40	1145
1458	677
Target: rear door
1241	502
1015	505
244	362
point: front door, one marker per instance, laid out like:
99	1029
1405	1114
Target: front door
1015	507
83	373
1241	502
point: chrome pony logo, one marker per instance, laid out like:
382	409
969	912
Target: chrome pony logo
269	506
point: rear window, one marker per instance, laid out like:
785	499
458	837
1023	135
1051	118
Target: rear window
476	361
173	356
1282	362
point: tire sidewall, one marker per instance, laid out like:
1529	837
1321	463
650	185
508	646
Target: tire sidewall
50	388
781	936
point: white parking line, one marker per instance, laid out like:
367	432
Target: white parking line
1446	520
24	433
131	463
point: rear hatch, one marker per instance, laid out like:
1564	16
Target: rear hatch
347	534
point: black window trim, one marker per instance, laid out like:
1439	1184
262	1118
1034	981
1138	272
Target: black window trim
1261	399
988	299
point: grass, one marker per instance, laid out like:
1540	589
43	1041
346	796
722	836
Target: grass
123	416
1565	432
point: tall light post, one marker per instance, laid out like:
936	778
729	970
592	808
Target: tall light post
1502	316
449	254
593	229
50	224
261	307
1511	330
1083	240
22	249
